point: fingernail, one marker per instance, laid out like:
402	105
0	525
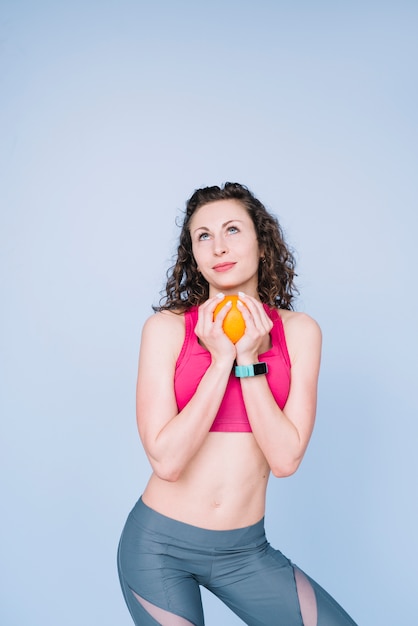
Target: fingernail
220	295
241	294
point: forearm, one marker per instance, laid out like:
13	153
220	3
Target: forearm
283	435
181	437
277	436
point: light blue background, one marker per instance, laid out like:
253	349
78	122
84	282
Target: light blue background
112	113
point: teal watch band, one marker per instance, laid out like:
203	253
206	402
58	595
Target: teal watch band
244	371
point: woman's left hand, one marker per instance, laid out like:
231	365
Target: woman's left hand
257	327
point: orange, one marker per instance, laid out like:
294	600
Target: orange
234	324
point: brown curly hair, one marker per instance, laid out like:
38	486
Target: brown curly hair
186	286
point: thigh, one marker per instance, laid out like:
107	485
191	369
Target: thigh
265	589
318	607
156	588
259	586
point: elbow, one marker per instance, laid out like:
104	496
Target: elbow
167	472
164	467
283	469
170	477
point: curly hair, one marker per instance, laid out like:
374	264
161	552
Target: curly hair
186	286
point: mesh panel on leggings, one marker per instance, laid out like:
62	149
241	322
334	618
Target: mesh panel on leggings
307	599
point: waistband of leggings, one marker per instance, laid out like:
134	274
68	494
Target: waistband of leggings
161	524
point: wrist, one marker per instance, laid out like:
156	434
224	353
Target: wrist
247	358
222	363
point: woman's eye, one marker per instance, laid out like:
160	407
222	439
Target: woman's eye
232	229
203	236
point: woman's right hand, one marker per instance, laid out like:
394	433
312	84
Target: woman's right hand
211	333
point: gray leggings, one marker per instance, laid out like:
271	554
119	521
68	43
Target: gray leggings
162	563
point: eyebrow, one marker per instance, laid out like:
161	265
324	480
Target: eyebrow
223	225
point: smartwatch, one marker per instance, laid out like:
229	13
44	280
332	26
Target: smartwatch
244	371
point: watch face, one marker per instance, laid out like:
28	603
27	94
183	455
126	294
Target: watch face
260	368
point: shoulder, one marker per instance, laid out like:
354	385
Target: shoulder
164	330
294	321
164	321
302	333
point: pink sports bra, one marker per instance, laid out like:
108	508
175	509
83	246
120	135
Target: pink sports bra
194	360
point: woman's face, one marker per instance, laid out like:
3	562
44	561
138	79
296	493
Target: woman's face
225	247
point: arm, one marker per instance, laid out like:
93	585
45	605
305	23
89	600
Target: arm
172	438
283	435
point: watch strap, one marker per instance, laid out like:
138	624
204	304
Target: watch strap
245	371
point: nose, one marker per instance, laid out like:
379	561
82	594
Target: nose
220	246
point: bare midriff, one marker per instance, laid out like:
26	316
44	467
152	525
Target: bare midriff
223	487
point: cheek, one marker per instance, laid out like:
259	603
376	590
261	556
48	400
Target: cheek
198	257
194	252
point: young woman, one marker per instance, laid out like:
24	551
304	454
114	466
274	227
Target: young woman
215	417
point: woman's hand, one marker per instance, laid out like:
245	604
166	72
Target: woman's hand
210	331
257	327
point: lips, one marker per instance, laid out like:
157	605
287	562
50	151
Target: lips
223	267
